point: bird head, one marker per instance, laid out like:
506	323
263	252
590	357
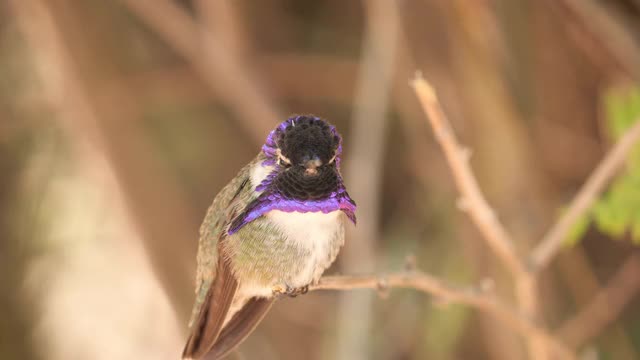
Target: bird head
305	151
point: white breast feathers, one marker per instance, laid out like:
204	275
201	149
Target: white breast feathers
315	232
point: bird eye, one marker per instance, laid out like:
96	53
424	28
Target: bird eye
284	164
282	160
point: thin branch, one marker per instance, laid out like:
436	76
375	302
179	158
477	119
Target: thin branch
417	280
474	297
605	307
612	163
472	199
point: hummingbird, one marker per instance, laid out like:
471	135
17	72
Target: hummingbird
270	232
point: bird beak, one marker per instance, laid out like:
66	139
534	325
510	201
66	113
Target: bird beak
311	167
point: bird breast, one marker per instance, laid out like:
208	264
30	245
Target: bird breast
317	234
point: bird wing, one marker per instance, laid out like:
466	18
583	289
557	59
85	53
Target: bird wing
215	282
225	206
240	326
207	327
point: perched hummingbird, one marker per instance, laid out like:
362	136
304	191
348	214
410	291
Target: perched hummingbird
273	230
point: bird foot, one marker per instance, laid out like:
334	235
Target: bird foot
290	291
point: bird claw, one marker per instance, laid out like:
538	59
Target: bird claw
290	291
300	291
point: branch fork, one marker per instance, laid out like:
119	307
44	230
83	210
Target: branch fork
525	271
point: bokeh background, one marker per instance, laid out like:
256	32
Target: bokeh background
121	120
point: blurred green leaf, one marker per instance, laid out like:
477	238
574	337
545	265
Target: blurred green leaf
578	230
617	212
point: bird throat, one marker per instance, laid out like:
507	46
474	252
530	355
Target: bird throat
290	192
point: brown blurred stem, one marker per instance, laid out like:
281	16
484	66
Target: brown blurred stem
600	35
546	250
221	18
364	168
605	307
221	70
105	135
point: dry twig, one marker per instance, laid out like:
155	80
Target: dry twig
472	200
604	172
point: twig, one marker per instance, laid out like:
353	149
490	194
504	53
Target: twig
605	307
472	199
612	163
474	297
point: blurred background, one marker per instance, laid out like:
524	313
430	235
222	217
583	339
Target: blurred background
121	120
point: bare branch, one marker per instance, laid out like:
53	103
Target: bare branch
483	216
474	297
612	163
605	307
472	199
